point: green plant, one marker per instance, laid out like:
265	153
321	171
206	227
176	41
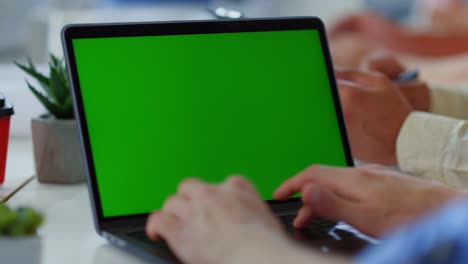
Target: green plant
20	222
55	94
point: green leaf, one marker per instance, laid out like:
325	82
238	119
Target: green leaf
67	105
6	217
57	86
29	220
62	70
66	110
63	76
31	70
55	96
55	60
20	222
50	106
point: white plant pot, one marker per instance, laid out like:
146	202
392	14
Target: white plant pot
57	152
21	250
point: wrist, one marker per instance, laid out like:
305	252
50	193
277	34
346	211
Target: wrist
460	194
392	134
418	96
442	194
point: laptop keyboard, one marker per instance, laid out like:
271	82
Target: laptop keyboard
319	229
321	234
142	237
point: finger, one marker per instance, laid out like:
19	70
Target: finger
293	185
306	214
386	64
352	95
190	187
240	183
304	217
176	205
336	178
327	204
346	25
243	189
350	92
161	225
364	78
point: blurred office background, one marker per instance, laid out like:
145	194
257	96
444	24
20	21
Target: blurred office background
31	28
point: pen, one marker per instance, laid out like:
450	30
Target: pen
406	76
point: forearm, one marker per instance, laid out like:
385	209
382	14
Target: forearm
279	249
434	147
428	44
299	254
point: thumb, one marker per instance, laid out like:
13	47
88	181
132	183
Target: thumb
385	63
328	204
162	226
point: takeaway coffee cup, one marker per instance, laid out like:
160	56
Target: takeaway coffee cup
6	111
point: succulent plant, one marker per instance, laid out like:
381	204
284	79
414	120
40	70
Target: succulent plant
20	222
55	93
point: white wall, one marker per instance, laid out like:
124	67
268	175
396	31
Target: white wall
26	105
327	10
13	86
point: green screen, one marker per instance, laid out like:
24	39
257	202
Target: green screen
162	108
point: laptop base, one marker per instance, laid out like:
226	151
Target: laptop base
323	235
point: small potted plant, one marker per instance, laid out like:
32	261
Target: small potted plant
57	153
19	242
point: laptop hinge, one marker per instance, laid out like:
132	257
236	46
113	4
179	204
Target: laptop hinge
286	208
137	223
124	225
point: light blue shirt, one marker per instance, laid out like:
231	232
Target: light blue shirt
441	238
399	10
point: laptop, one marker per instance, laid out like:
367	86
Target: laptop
158	102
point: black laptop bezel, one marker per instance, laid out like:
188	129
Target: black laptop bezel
81	31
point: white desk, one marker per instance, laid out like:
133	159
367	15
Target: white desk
68	231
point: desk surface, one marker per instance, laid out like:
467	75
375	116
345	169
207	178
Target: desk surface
68	232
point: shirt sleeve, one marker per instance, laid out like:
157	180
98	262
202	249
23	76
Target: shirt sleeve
449	101
434	147
440	238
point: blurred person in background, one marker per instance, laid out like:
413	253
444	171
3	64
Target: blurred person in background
419	127
374	32
355	37
447	16
396	10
